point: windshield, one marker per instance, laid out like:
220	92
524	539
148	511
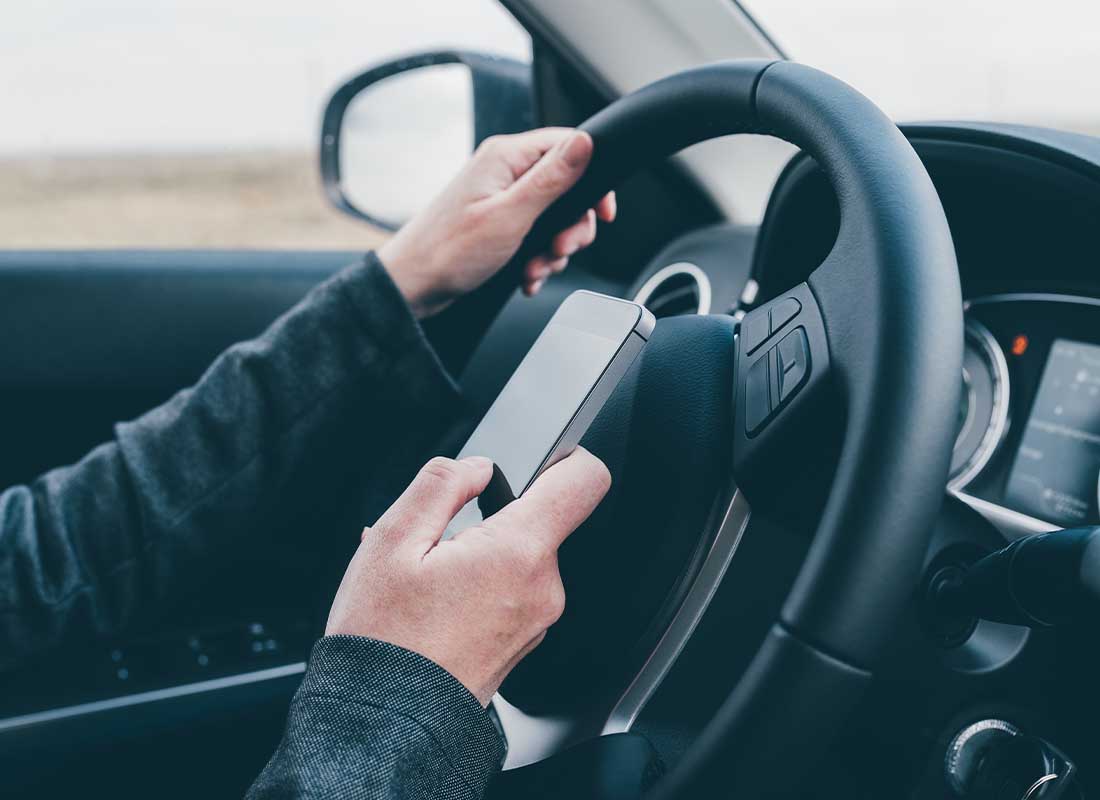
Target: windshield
1006	60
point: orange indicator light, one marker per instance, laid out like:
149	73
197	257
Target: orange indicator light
1019	344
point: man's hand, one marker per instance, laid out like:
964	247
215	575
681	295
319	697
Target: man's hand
477	603
479	221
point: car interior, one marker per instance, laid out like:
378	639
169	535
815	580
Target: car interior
843	408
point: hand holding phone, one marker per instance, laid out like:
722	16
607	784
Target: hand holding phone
551	399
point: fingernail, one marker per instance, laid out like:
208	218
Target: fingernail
578	149
481	462
537	285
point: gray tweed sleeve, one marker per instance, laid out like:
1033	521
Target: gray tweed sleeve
340	379
372	720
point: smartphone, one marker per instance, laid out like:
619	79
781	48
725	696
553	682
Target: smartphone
547	405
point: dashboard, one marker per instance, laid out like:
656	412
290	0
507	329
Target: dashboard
1022	204
1029	420
1028	444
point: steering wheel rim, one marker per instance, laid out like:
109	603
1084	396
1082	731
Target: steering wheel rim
883	317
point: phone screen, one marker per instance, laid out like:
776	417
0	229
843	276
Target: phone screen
550	385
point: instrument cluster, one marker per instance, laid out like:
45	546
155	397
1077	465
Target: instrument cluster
1029	418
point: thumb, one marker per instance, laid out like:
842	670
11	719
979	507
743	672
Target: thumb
441	488
552	175
558	501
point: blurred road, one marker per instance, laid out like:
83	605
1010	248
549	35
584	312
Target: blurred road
265	200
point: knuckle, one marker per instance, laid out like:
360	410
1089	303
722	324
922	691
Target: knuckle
590	234
441	469
491	146
594	474
602	477
548	179
560	246
553	603
380	532
546	601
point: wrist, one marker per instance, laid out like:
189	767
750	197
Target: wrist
411	271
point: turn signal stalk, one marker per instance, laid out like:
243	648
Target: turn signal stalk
1040	580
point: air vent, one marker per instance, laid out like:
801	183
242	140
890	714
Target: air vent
676	290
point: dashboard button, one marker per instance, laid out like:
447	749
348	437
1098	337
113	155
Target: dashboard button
754	330
794	362
783	312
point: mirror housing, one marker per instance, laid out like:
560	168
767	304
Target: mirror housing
500	102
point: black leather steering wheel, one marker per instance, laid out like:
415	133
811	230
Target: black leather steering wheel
872	349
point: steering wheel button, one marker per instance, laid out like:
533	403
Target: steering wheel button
783	312
794	362
754	330
758	404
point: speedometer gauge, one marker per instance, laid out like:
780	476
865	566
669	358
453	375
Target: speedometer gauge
983	410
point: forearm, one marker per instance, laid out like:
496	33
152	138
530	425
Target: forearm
375	721
190	483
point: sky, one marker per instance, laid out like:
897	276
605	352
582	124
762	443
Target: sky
124	75
92	76
1030	61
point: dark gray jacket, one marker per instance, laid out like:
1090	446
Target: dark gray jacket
86	548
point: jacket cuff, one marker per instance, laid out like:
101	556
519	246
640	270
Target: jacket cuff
383	675
389	323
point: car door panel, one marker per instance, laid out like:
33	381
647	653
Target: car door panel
91	338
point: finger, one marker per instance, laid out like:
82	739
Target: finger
558	501
521	151
538	269
551	176
442	487
542	267
607	208
576	237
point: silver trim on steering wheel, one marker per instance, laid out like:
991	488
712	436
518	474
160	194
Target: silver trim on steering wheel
533	738
687	617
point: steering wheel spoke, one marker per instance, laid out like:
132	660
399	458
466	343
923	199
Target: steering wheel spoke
786	411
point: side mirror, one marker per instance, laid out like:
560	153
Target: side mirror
394	135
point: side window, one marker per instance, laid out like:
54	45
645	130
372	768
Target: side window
171	123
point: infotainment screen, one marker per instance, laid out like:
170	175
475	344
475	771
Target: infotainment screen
1055	473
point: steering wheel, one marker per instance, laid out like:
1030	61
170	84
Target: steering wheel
868	350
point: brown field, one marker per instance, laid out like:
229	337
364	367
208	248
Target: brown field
254	201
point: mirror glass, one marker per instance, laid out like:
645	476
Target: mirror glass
403	138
